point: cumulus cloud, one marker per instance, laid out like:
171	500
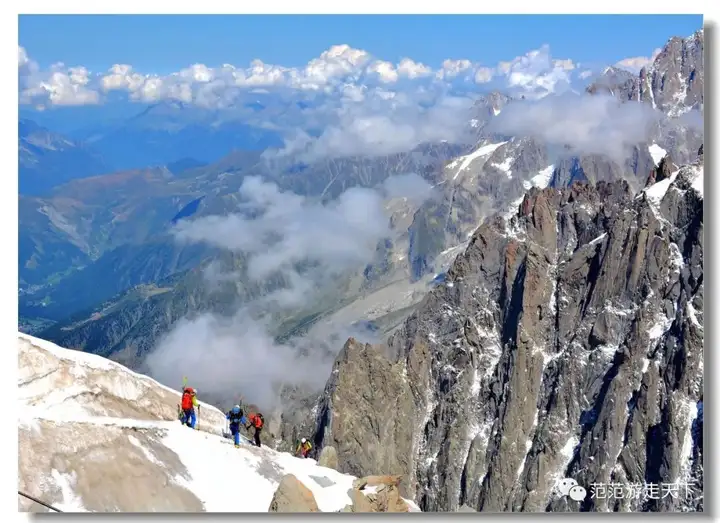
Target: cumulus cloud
636	63
336	71
412	69
278	232
60	85
586	124
537	73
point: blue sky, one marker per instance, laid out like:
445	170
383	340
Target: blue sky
165	43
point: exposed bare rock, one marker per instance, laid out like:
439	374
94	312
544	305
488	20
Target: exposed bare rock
364	411
662	172
673	82
566	341
377	494
292	496
328	457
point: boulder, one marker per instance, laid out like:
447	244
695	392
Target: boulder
328	457
376	494
292	496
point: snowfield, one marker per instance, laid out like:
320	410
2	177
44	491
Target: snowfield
83	417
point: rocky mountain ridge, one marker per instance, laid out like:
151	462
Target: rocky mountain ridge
566	341
674	82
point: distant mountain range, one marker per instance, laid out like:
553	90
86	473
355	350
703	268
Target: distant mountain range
48	159
87	245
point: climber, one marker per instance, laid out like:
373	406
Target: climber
304	448
188	404
257	421
236	417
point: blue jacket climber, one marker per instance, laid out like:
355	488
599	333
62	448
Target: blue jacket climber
236	417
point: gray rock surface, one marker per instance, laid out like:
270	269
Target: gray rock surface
674	82
292	496
363	413
376	494
328	457
567	341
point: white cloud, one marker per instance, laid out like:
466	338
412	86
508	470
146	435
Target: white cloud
635	64
288	226
386	122
384	71
59	85
536	72
452	68
587	124
484	75
340	71
411	69
276	231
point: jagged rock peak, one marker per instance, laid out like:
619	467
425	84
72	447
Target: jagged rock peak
566	341
662	171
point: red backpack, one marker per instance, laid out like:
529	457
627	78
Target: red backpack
186	403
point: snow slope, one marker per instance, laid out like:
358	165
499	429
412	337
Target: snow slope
73	427
657	153
465	161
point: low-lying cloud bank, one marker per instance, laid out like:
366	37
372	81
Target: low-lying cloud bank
382	127
598	124
230	357
278	232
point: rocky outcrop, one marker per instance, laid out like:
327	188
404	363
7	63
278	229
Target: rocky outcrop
662	172
292	496
376	494
328	457
673	82
566	341
615	82
364	413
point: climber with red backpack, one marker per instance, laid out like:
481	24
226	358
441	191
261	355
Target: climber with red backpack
187	404
256	420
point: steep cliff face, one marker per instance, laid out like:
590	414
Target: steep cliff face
567	341
674	82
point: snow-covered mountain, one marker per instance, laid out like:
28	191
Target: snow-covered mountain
95	436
